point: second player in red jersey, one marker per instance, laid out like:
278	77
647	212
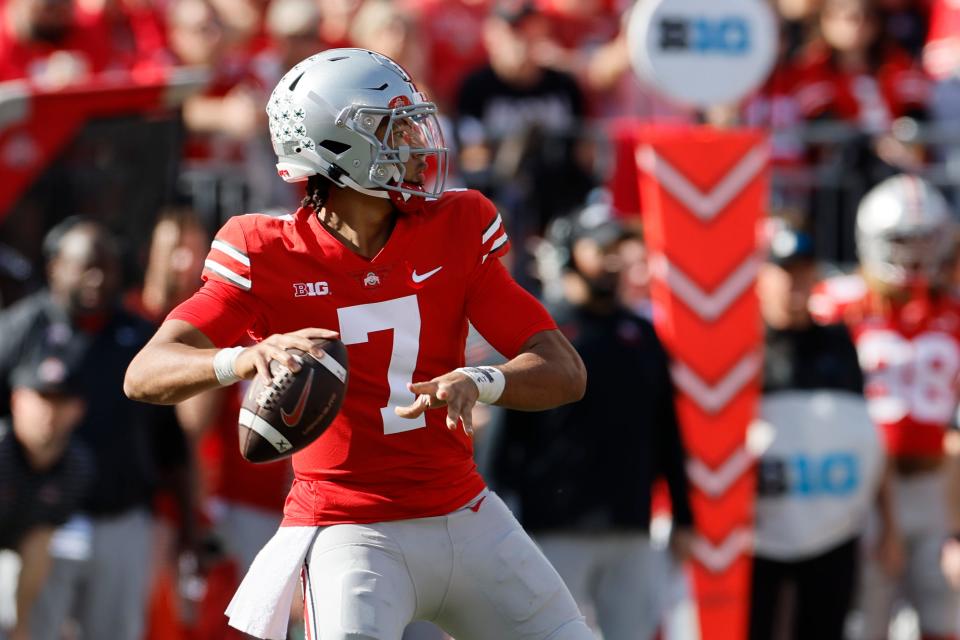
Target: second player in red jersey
907	334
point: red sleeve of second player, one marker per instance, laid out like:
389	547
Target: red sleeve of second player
503	312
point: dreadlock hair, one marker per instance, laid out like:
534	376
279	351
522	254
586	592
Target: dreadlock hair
318	189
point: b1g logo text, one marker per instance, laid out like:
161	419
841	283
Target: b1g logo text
301	289
727	36
833	474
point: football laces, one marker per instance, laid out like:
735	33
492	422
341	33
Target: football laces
269	396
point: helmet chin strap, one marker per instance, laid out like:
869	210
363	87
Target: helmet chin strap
376	193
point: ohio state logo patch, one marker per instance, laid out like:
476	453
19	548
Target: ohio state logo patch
399	101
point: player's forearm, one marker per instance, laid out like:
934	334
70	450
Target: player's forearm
170	373
547	373
885	506
35	567
175	365
952	472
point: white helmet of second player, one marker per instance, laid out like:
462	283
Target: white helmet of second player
356	117
905	231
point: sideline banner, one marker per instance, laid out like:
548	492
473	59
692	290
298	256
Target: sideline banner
703	193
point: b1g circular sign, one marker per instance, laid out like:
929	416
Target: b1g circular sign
703	52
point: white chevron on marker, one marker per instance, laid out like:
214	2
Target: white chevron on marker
704	205
712	305
717	558
715	482
713	398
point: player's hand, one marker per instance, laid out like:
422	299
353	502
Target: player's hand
890	554
950	561
681	543
256	359
453	390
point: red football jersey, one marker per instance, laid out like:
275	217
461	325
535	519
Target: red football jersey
403	317
910	356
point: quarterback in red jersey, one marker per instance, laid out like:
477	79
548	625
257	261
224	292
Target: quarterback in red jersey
908	341
388	520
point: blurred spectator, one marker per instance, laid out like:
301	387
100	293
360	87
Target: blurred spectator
175	259
907	334
293	27
222	121
42	40
614	89
229	106
102	559
856	74
821	472
906	23
451	35
941	55
634	289
337	16
383	26
44	473
520	125
244	24
580	477
797	18
863	96
774	106
177	247
135	30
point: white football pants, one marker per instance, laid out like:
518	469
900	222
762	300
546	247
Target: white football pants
475	573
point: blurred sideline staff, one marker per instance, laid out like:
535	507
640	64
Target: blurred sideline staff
100	572
44	476
823	465
580	476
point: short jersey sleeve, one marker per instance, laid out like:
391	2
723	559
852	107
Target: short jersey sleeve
225	308
503	312
491	233
833	298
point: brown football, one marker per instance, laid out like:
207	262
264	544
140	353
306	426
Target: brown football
294	409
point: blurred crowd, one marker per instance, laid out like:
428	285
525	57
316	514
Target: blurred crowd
532	91
537	97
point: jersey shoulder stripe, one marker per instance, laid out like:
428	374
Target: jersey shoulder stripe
494	241
229	257
212	267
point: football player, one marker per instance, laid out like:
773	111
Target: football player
387	520
907	334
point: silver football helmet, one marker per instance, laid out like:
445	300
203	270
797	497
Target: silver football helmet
356	117
905	231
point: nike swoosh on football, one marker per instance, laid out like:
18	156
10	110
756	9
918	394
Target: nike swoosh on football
418	277
292	419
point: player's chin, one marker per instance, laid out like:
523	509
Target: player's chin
415	177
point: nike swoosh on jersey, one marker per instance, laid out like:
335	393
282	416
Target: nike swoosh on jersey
292	419
420	277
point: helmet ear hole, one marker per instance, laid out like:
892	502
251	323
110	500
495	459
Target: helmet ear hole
335	147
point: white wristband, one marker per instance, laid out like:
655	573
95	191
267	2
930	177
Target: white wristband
489	380
223	363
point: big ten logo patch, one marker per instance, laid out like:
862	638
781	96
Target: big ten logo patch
728	35
302	289
809	476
